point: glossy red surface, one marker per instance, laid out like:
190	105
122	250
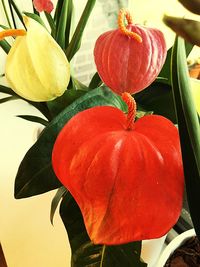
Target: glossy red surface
127	183
124	64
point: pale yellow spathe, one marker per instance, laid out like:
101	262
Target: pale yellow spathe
36	67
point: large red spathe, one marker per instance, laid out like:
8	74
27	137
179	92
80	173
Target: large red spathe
127	183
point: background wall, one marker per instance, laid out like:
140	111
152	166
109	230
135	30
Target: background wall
151	12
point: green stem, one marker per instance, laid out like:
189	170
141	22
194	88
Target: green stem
34	10
102	256
16	9
5	46
6	13
12	15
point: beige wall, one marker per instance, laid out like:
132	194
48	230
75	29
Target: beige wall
152	11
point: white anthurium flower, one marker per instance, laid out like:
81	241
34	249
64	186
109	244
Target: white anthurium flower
37	69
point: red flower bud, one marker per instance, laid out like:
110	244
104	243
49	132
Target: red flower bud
130	58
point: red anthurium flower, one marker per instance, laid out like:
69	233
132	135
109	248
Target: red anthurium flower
126	176
129	58
43	5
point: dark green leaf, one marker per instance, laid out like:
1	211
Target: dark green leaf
4	27
159	99
6	99
34	119
18	12
5	46
57	198
84	252
95	81
6	13
189	129
7	90
60	103
35	174
166	70
77	85
51	23
141	113
41	106
69	22
61	27
77	36
35	17
12	14
123	255
188	48
34	10
58	11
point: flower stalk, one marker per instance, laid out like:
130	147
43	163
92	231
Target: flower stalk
131	104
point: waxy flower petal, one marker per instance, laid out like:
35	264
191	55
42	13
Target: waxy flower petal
129	58
127	183
43	5
36	67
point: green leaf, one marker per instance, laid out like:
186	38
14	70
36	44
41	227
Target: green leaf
6	13
18	12
6	99
5	46
12	14
34	10
60	30
35	174
123	255
95	81
189	129
77	85
41	106
57	198
58	11
35	17
84	252
69	22
60	103
51	23
166	70
4	27
158	98
77	36
33	119
7	90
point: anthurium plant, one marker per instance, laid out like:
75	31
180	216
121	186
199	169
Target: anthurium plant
187	116
117	165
